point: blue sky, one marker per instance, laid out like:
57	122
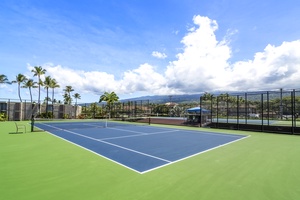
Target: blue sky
149	47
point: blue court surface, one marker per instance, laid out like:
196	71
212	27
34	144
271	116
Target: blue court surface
139	148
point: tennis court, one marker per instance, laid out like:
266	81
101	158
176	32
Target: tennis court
141	148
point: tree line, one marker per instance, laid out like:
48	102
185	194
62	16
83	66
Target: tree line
50	84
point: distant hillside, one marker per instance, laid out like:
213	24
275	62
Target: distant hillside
167	98
160	99
188	98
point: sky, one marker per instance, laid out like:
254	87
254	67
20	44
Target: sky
151	47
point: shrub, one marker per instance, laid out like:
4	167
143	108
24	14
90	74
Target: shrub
3	117
46	115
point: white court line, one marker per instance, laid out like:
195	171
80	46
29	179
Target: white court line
168	162
93	151
144	154
216	147
99	140
184	130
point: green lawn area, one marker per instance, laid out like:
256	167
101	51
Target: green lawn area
38	165
286	123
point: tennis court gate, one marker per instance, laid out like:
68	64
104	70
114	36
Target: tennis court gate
266	111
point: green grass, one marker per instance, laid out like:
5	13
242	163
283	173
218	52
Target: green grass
285	123
38	166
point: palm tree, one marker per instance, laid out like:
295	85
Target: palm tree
207	96
53	85
110	98
46	99
47	83
67	95
76	96
3	79
20	78
93	110
38	71
29	83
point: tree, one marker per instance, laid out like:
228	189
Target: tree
160	109
94	109
76	96
67	99
207	96
38	71
3	79
53	85
67	95
177	111
47	83
20	78
29	83
109	98
223	97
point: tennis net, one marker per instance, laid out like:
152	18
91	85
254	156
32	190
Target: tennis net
65	125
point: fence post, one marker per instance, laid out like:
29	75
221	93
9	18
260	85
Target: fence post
238	111
211	107
293	100
268	108
281	106
262	112
227	105
217	109
23	114
8	110
200	125
246	108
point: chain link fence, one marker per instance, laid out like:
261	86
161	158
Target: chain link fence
268	111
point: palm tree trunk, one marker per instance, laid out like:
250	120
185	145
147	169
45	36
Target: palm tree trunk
39	99
47	104
52	102
19	92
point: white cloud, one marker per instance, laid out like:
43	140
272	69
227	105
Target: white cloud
203	65
159	55
144	78
93	81
275	67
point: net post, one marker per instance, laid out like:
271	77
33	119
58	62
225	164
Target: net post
105	124
32	122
